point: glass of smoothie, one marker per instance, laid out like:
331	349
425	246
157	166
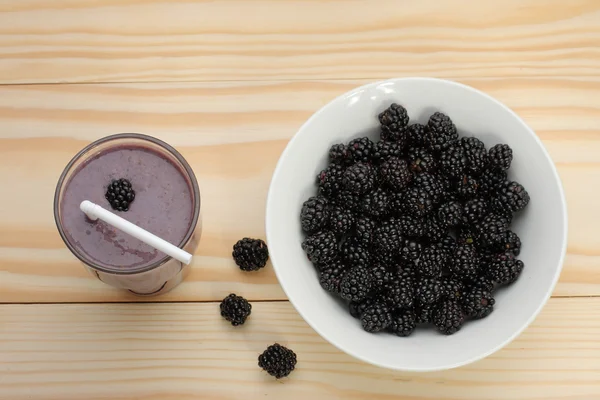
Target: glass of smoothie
161	196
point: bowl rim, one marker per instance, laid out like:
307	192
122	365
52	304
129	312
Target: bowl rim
563	203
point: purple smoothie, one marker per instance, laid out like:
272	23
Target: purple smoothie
163	205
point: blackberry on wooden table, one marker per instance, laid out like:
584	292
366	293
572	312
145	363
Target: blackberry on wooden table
278	361
235	309
250	254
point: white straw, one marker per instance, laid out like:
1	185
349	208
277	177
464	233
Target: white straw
94	211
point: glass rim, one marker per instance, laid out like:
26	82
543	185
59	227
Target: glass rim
137	136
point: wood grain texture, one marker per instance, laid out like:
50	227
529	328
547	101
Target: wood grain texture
232	134
187	351
151	40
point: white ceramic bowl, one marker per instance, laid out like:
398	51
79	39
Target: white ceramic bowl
542	226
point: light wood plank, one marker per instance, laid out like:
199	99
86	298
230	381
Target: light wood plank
232	134
187	351
151	40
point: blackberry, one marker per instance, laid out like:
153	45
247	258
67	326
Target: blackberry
421	160
381	276
510	242
448	317
434	230
364	230
451	214
411	250
339	154
467	187
331	276
492	229
424	313
387	239
250	254
417	202
417	134
361	149
395	173
394	121
359	178
428	290
474	211
510	197
403	323
431	185
500	156
410	226
477	303
385	150
453	161
357	308
376	318
432	261
120	194
448	243
321	247
399	293
347	199
452	288
354	254
490	180
330	180
476	154
341	220
235	309
505	270
278	361
464	263
314	214
356	284
467	235
376	204
406	272
441	132
482	282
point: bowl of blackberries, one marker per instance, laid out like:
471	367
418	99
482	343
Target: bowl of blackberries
416	224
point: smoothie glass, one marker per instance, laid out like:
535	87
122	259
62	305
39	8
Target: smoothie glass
159	273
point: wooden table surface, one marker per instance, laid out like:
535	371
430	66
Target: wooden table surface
228	83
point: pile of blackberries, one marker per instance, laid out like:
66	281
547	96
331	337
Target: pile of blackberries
414	228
